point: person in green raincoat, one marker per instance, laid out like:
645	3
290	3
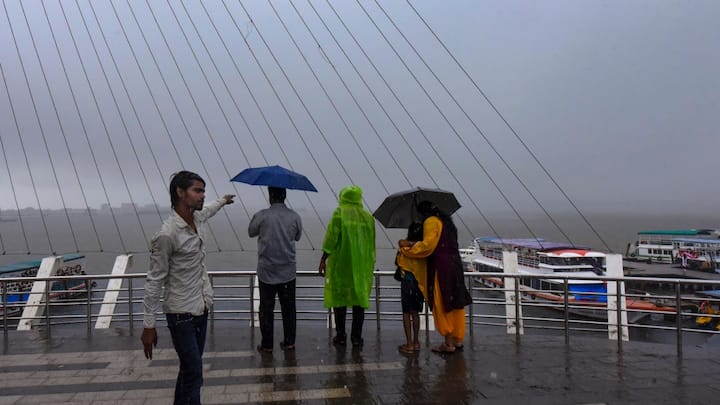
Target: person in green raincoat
347	263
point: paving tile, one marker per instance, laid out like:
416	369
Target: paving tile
493	369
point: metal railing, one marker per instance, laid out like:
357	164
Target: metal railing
676	310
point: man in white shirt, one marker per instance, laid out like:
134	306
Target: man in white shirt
277	228
177	262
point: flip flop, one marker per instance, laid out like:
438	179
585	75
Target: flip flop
443	348
406	349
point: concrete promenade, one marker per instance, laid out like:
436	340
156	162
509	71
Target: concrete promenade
109	368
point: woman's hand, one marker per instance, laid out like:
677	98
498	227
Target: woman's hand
405	243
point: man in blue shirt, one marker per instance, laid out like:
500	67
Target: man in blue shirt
277	229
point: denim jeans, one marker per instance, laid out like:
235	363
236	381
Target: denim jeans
188	336
286	296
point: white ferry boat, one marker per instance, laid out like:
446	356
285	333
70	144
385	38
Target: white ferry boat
659	246
554	261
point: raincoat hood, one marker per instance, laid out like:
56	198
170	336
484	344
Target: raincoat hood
351	195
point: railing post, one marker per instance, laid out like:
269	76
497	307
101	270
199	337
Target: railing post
253	312
5	310
377	300
212	308
469	281
678	317
616	306
47	307
427	319
131	317
512	294
517	308
567	310
618	310
89	306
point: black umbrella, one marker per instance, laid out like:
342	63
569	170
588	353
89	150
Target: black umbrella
399	210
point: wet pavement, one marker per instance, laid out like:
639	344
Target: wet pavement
109	368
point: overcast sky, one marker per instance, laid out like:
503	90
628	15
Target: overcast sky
617	100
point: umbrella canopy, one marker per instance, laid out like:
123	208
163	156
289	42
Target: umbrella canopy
274	176
399	210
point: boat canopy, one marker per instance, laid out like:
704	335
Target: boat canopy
530	243
679	232
574	253
33	264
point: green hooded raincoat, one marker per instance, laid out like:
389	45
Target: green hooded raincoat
350	245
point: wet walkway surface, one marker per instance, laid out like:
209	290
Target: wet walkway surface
109	368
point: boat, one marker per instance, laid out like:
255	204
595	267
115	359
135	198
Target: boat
587	297
697	253
658	245
17	292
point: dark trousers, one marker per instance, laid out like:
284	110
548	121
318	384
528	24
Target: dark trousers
188	336
358	314
286	295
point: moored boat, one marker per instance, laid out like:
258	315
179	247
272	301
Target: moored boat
660	245
15	293
587	295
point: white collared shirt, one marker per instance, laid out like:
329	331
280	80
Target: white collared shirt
177	262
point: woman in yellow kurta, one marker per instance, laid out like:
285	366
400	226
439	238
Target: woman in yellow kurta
444	287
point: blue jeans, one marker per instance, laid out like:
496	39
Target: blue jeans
188	336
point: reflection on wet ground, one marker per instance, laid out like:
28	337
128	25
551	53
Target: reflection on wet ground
494	368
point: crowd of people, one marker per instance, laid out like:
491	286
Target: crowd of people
429	269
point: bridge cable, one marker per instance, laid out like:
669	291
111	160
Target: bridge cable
307	110
337	111
12	184
192	141
212	90
202	119
127	92
424	135
262	114
510	127
379	103
282	103
62	130
332	103
482	134
445	118
277	96
182	120
402	136
117	107
235	104
84	127
42	132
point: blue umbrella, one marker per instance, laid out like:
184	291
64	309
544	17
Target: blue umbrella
274	176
